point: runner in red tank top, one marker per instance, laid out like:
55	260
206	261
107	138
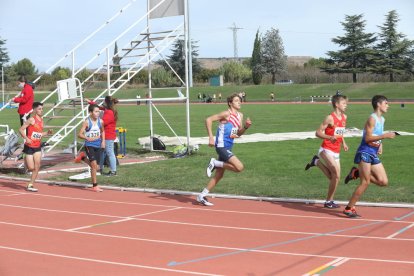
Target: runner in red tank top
332	132
33	140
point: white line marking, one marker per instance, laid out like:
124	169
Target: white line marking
102	261
400	231
121	220
212	210
195	224
204	246
341	262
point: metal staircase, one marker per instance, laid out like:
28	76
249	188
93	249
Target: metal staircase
66	116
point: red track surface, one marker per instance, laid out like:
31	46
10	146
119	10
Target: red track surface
73	231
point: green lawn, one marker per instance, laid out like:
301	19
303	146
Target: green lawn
272	168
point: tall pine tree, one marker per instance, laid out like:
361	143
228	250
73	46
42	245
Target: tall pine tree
355	57
256	62
394	53
4	56
177	61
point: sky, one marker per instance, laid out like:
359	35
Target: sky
45	30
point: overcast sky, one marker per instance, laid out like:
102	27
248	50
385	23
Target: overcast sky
45	30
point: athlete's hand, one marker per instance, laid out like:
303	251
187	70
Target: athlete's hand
389	135
103	144
28	141
211	142
332	139
50	132
346	148
248	123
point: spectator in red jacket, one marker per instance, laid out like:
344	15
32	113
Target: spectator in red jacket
24	99
110	117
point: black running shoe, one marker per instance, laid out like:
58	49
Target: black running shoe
353	174
312	163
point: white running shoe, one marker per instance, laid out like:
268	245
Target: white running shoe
203	200
30	188
210	167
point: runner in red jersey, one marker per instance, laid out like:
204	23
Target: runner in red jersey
33	140
332	132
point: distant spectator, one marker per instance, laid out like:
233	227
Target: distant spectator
214	97
241	96
272	97
244	96
25	99
219	97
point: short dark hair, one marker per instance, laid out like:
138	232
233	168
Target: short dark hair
92	107
231	97
22	78
335	99
36	105
377	99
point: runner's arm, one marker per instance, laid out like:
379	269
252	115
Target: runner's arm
320	132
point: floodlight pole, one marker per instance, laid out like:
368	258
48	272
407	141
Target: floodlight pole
2	84
149	78
187	69
190	50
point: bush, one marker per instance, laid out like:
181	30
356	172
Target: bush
162	77
236	72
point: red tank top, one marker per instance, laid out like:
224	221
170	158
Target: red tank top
337	130
34	132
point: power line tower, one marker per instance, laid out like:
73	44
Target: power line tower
235	48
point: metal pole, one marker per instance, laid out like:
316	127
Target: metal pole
190	49
149	78
108	72
2	84
187	57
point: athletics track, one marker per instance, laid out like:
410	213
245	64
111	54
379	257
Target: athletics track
73	231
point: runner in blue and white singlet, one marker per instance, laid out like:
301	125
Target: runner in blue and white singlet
92	131
230	127
370	169
373	147
227	131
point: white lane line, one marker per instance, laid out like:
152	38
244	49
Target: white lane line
199	224
212	210
121	220
203	246
400	231
101	261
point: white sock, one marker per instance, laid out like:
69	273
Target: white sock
218	164
204	192
316	161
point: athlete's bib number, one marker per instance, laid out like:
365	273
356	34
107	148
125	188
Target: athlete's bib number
93	134
233	133
36	135
339	131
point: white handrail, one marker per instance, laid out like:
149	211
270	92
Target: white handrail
89	37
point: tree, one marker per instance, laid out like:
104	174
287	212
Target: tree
177	61
274	59
4	56
256	61
24	67
61	73
355	57
116	65
394	52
